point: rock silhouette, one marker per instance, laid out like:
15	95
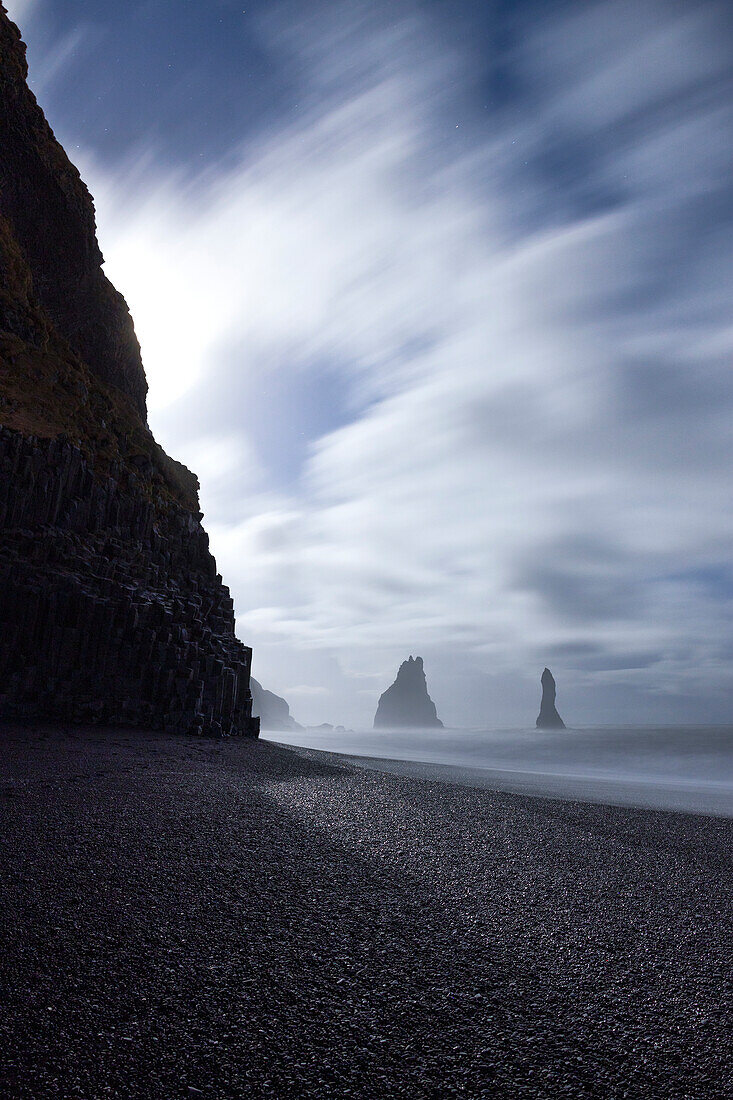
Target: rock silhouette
274	712
406	702
548	717
111	609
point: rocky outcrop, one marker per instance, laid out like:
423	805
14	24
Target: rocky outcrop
406	702
111	608
273	711
51	215
548	717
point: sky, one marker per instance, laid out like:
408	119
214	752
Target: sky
435	298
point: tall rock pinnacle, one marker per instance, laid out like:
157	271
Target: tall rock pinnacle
548	717
406	702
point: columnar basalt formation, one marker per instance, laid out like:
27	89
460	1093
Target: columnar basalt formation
111	609
407	703
548	718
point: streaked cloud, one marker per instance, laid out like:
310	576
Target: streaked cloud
456	377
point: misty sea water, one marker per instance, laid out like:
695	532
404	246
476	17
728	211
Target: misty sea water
685	768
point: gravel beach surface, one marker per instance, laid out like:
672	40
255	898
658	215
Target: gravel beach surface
187	918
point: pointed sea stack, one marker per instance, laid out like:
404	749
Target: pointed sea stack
548	717
111	609
407	703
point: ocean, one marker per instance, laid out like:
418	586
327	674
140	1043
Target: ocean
684	768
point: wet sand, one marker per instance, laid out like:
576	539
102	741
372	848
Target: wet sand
230	919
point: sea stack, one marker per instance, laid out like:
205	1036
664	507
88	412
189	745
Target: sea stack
111	608
406	702
548	718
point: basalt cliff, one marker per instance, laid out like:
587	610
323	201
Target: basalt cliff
111	609
406	702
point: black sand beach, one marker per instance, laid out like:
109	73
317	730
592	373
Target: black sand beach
190	918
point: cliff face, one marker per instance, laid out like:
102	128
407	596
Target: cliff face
52	218
110	605
406	702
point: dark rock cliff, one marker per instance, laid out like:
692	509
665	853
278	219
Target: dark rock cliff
51	214
406	702
548	717
111	608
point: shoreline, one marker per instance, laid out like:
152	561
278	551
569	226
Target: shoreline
670	794
228	918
